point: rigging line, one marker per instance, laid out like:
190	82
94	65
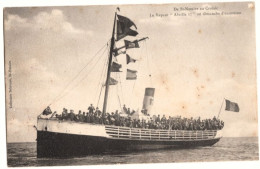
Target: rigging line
90	70
77	75
148	65
120	103
101	76
99	95
118	94
121	87
101	84
65	93
133	89
82	78
80	81
108	98
135	80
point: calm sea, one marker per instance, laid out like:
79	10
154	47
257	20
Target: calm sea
227	149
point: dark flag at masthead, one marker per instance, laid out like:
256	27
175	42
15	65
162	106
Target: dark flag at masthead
123	27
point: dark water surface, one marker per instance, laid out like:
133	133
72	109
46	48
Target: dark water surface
227	149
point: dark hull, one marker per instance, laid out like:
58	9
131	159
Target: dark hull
50	144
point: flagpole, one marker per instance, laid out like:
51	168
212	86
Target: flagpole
109	65
221	107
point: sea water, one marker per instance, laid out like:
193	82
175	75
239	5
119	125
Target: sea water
227	149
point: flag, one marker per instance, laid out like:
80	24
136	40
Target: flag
123	27
112	81
129	59
117	52
231	106
123	31
131	74
129	44
128	23
115	67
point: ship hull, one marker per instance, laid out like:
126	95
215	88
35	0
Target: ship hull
51	144
57	138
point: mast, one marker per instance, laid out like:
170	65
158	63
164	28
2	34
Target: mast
109	66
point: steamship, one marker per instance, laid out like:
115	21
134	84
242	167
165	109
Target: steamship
59	138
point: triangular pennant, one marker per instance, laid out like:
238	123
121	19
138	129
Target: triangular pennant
112	81
129	59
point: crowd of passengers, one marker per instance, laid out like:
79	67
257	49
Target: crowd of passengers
97	117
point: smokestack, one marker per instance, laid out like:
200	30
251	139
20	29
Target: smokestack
148	99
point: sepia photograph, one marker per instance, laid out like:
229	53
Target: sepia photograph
130	84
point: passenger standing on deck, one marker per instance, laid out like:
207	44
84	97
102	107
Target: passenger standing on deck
128	111
96	118
64	114
108	119
158	119
222	124
125	109
112	118
133	112
191	125
91	109
84	116
98	112
163	120
91	117
135	123
131	124
71	115
116	116
80	116
47	111
87	117
202	125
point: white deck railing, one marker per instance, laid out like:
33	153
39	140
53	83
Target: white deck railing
157	134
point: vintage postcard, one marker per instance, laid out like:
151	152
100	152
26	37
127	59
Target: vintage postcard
130	84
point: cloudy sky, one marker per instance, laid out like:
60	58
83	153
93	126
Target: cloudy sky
57	55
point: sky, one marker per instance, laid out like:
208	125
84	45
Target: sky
194	62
